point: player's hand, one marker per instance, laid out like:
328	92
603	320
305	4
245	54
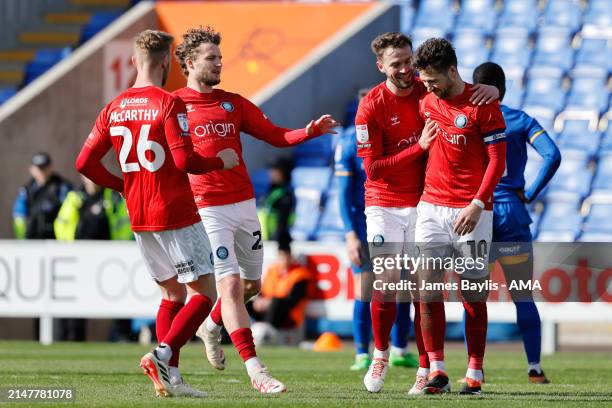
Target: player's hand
325	124
521	195
467	219
484	94
429	134
230	158
353	246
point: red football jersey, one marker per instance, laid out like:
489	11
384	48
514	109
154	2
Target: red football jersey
386	124
142	125
458	157
216	120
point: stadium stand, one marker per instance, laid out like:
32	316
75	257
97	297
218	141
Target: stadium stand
39	34
557	55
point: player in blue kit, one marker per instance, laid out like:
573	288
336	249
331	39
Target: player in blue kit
510	217
351	177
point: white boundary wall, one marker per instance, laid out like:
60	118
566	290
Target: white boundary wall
93	279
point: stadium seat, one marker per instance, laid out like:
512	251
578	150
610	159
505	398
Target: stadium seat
331	227
514	96
561	218
563	13
6	92
315	152
594	52
512	47
436	13
479	14
553	47
309	185
546	92
97	23
544	115
588	93
406	17
470	59
420	34
602	183
599	219
577	135
588	236
606	142
43	60
520	13
599	13
261	183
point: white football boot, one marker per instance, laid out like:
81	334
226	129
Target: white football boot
212	347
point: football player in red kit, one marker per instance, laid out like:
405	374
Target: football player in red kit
393	140
454	216
148	129
226	200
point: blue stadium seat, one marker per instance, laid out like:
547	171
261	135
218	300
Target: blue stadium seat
599	13
406	17
544	115
97	23
512	47
436	13
599	218
561	218
520	13
577	135
588	91
606	142
309	185
472	58
315	152
479	14
331	227
514	96
534	226
420	34
564	13
602	183
594	52
42	61
261	183
468	38
588	236
6	92
545	91
553	47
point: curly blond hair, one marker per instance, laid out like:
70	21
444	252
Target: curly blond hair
192	39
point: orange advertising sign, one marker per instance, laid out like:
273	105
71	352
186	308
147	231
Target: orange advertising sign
260	40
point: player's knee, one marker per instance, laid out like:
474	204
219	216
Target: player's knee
232	288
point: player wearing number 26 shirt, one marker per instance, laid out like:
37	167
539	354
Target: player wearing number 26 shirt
147	128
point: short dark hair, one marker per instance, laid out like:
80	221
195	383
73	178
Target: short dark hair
391	39
192	39
436	53
489	73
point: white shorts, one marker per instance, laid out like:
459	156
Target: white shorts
390	230
235	237
184	252
434	235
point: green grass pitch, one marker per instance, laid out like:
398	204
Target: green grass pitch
107	375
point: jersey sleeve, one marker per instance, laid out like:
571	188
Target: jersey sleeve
367	131
492	124
532	128
176	125
99	137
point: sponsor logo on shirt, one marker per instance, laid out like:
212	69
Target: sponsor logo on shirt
227	106
453	138
363	137
190	108
394	121
378	240
461	121
221	129
133	101
183	123
409	141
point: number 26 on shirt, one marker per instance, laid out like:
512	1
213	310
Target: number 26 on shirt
142	146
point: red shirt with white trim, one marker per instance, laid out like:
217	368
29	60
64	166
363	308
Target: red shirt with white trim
385	125
142	125
458	156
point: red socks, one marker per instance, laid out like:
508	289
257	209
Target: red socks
243	341
476	320
383	317
215	313
187	321
418	337
165	314
433	329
